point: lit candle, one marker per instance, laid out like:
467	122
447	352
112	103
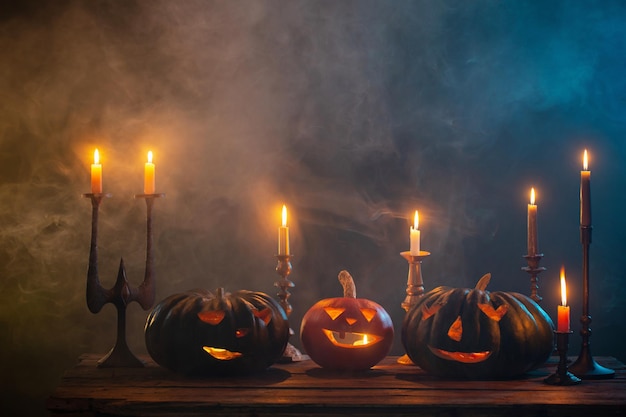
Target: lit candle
415	235
563	309
283	235
96	173
585	193
149	182
532	224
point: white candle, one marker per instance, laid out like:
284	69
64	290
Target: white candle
415	236
149	177
96	174
283	234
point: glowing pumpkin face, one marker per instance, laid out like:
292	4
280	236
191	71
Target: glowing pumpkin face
198	332
475	334
346	333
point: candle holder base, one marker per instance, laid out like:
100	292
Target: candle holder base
414	288
562	376
284	268
585	367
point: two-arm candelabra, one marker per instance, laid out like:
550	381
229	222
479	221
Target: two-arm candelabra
122	293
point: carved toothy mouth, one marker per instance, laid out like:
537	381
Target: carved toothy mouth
221	354
463	357
351	340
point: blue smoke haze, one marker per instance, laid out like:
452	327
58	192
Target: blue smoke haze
353	113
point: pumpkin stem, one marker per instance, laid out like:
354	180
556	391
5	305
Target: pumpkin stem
483	282
349	289
219	293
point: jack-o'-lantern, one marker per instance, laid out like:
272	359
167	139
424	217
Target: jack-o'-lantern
346	333
477	334
201	333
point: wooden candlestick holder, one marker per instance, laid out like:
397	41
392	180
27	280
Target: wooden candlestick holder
414	288
534	270
121	294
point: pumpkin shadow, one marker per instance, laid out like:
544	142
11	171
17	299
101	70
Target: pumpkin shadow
268	376
420	376
324	373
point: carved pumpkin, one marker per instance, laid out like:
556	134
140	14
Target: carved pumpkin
477	334
201	333
346	333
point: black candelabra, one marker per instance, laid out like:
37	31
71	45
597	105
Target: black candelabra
122	293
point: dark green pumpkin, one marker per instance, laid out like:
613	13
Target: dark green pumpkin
476	334
203	333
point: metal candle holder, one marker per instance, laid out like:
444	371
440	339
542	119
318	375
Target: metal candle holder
534	270
283	268
585	366
414	288
562	376
121	294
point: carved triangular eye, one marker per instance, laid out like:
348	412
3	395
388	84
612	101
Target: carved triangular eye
334	312
265	315
368	313
212	317
429	311
496	314
455	332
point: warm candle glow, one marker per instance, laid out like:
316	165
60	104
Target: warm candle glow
149	183
415	236
585	193
283	234
563	309
96	173
563	288
362	342
532	225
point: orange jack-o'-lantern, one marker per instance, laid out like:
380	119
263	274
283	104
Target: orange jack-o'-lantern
477	334
198	332
346	333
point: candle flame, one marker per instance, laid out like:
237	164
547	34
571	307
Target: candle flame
563	288
532	196
364	341
149	157
284	216
96	156
585	161
416	220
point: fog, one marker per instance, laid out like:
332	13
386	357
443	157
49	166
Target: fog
352	113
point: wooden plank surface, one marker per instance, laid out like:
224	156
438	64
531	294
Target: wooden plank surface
302	388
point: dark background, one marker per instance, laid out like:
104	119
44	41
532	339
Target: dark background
353	113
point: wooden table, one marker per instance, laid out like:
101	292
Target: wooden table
302	388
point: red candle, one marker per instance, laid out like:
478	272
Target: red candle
563	309
585	193
532	224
